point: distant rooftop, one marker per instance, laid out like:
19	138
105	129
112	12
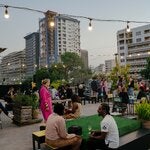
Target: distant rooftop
2	49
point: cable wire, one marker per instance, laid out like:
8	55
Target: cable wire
75	16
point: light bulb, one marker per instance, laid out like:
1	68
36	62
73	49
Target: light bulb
52	23
90	25
90	28
6	14
128	28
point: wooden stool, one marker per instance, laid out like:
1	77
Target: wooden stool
38	136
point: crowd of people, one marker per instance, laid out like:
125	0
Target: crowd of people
54	116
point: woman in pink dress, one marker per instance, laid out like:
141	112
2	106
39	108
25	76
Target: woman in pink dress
45	99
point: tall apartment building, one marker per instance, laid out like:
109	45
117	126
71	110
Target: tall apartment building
99	69
109	65
134	47
13	67
32	53
54	41
84	57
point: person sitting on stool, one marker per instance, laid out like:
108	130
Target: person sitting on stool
108	137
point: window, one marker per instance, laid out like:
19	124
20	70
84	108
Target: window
121	54
138	33
121	35
147	38
121	42
147	31
122	60
138	40
122	47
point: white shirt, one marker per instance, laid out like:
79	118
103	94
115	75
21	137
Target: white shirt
109	125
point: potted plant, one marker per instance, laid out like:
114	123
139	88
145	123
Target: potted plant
35	106
143	112
24	106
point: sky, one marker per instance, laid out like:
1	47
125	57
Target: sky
101	42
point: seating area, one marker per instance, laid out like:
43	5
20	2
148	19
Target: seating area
125	126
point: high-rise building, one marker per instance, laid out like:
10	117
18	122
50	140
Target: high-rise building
13	67
32	53
109	65
99	69
84	57
64	36
134	47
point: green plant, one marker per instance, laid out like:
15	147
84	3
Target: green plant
26	100
143	110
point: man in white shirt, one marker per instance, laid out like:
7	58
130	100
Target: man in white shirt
108	137
56	133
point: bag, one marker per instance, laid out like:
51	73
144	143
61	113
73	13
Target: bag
75	129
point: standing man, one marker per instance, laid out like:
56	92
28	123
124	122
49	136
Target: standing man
108	136
94	87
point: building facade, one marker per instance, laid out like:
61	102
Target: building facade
84	57
32	53
109	65
13	68
54	41
100	69
134	47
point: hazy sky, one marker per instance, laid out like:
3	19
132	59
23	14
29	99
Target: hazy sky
101	43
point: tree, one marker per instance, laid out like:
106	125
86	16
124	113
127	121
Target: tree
122	71
57	72
40	75
146	72
72	62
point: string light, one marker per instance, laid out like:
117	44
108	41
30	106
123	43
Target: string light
6	14
52	24
73	16
90	25
128	28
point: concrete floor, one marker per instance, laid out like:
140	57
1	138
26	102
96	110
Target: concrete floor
13	137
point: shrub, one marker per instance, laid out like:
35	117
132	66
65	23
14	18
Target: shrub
143	110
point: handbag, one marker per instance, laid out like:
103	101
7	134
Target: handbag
75	129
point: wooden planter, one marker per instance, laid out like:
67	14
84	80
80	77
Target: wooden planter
146	124
22	114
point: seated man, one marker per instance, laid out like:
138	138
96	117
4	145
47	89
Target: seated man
108	137
56	134
5	111
75	110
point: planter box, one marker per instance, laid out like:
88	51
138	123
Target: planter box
146	124
22	114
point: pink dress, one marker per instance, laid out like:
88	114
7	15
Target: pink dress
45	99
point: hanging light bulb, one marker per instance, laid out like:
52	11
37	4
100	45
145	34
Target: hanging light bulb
6	14
128	28
90	25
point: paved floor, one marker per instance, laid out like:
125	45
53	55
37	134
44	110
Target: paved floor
13	137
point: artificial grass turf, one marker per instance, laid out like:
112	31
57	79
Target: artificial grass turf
124	125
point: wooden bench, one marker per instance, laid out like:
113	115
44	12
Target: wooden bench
139	139
44	146
39	137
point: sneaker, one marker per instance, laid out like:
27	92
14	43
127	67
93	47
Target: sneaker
11	116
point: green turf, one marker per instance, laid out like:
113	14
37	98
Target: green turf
124	125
